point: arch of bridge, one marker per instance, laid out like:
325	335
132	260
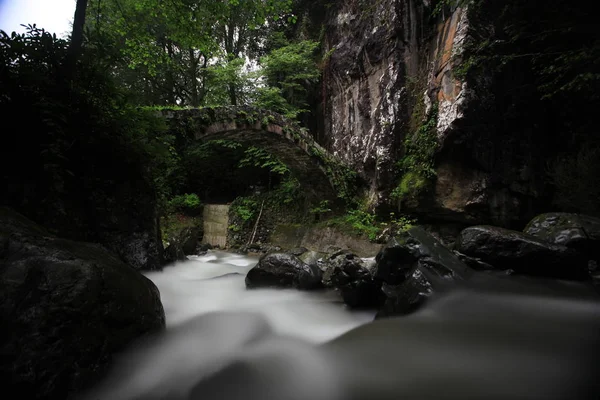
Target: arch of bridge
254	127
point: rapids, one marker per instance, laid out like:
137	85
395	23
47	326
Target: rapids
497	338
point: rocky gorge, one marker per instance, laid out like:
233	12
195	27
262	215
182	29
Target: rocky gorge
414	214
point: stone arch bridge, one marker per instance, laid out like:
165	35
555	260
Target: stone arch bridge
320	173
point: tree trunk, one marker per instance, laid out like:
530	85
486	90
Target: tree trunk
76	38
194	97
232	94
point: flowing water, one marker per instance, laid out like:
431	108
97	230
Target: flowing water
498	338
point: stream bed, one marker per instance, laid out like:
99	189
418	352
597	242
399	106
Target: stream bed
497	339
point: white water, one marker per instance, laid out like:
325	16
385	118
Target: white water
215	282
499	338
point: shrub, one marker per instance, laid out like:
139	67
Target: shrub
185	203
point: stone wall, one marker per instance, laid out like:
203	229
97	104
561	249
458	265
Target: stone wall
216	221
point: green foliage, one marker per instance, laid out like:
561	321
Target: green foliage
234	228
172	224
227	81
411	184
288	72
357	222
322	208
400	223
185	203
366	224
181	51
363	222
73	123
245	208
418	164
257	157
289	191
344	180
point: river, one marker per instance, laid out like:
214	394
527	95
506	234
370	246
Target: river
499	338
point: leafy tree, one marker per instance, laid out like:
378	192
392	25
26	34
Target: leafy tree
178	49
288	71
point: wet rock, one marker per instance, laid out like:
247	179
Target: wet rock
411	267
283	270
311	257
174	253
140	250
576	231
204	247
298	251
65	308
525	254
354	279
473	262
189	238
260	248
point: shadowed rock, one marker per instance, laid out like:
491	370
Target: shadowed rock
505	249
354	278
411	267
65	308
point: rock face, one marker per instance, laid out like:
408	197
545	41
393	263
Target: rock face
283	270
389	62
354	279
364	87
412	266
505	249
395	61
65	308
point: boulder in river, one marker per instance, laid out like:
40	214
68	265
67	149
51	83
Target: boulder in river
65	308
174	252
575	231
353	277
283	270
412	266
189	238
505	249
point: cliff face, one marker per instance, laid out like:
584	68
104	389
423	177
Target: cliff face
375	49
393	62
